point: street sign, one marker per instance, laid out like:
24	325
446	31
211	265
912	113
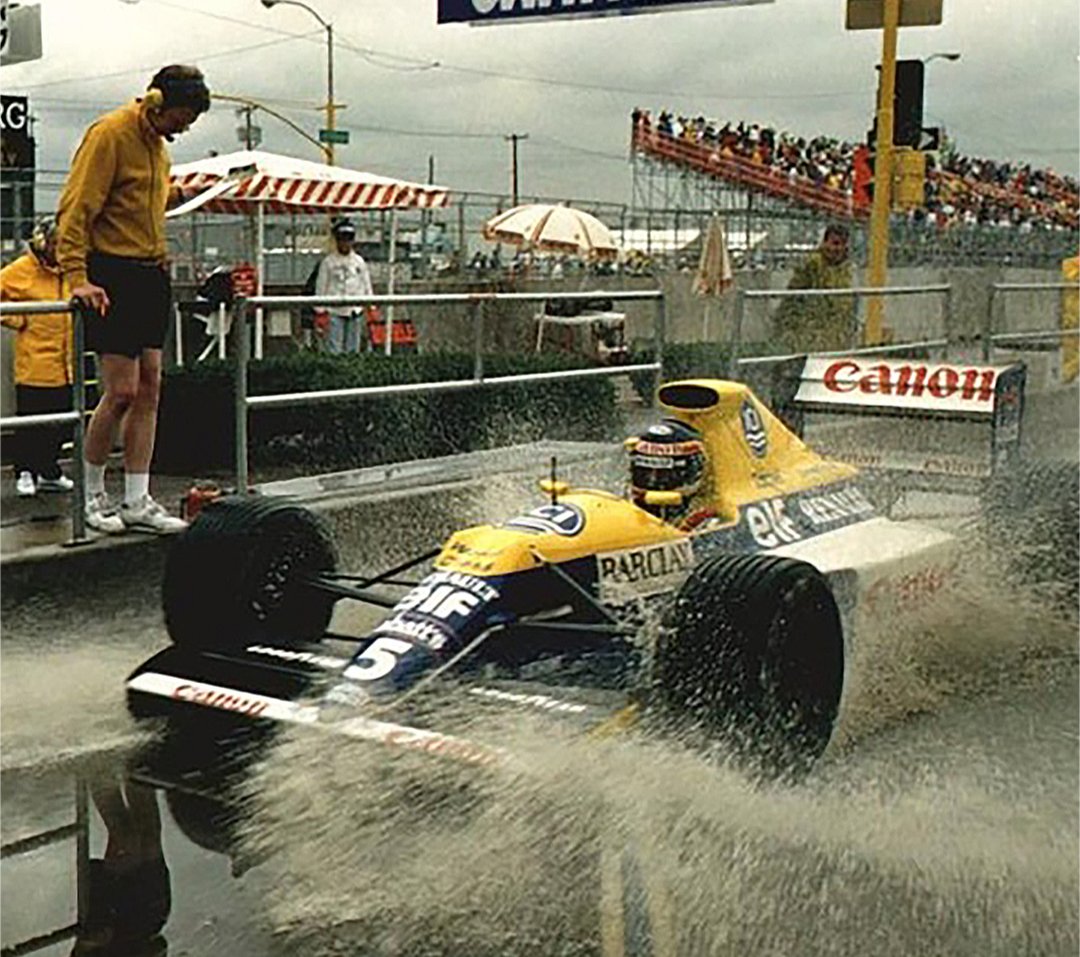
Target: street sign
16	144
870	14
339	137
477	12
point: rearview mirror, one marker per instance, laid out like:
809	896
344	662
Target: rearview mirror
664	499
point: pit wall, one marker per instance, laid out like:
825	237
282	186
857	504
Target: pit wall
507	325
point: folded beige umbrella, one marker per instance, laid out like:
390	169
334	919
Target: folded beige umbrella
714	273
543	227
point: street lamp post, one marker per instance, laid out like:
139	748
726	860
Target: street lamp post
942	56
331	107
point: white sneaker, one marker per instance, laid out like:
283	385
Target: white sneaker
146	515
101	516
24	485
59	484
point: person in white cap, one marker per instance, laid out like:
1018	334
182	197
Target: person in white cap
342	273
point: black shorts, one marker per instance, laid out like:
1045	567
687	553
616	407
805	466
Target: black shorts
140	303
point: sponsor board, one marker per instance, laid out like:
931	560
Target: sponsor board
643	571
939	387
476	12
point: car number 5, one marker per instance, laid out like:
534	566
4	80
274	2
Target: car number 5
378	659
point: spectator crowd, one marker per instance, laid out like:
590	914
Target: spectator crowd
959	189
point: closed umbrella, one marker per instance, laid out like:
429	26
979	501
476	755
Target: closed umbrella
544	227
714	274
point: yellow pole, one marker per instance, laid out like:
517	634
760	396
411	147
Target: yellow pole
331	106
883	168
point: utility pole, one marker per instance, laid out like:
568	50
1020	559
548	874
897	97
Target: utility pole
883	171
513	138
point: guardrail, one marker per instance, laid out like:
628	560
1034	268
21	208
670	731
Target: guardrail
244	309
990	337
856	292
79	829
77	416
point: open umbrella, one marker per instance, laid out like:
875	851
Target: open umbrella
714	274
543	227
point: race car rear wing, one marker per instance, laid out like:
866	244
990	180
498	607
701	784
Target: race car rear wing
938	423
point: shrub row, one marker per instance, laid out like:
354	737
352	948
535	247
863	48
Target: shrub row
196	421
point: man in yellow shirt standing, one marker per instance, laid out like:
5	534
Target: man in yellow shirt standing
43	361
111	250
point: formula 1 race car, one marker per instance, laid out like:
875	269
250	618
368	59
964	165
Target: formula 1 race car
729	593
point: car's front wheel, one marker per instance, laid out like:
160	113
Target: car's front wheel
240	573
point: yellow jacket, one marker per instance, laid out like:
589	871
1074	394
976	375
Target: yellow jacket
43	343
115	196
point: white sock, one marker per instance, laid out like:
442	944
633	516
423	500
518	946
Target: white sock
136	486
95	478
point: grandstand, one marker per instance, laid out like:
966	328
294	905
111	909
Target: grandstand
823	175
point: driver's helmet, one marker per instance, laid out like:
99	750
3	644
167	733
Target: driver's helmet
667	457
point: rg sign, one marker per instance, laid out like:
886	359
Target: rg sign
14	113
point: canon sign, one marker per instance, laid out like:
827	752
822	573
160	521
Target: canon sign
882	383
940	382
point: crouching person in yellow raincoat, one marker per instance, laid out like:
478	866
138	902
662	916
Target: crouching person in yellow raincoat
43	362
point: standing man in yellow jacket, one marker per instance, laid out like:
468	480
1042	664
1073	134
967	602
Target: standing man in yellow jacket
43	361
112	252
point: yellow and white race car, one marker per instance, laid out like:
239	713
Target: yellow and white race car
730	590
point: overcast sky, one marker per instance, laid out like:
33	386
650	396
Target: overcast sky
414	89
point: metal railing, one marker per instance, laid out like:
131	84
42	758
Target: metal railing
79	829
77	416
856	292
990	337
244	308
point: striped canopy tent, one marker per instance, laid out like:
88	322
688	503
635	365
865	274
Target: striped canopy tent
248	181
254	182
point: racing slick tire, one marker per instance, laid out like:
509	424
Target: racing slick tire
237	575
753	655
1030	525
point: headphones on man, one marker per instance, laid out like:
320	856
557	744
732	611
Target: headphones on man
178	86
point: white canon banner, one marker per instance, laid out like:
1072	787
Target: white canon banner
901	384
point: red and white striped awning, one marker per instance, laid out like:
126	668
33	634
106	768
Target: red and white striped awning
248	179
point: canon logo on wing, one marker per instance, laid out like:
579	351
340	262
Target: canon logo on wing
215	698
938	382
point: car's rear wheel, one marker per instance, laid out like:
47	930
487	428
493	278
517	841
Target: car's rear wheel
753	654
240	574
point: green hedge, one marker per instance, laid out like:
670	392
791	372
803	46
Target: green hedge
196	423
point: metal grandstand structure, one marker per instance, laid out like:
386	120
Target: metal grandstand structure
771	218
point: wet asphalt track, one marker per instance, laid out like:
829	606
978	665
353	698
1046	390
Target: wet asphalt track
950	829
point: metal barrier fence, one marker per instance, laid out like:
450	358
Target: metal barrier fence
990	336
856	292
244	402
79	829
77	416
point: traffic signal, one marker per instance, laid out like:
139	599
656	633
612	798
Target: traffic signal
907	104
